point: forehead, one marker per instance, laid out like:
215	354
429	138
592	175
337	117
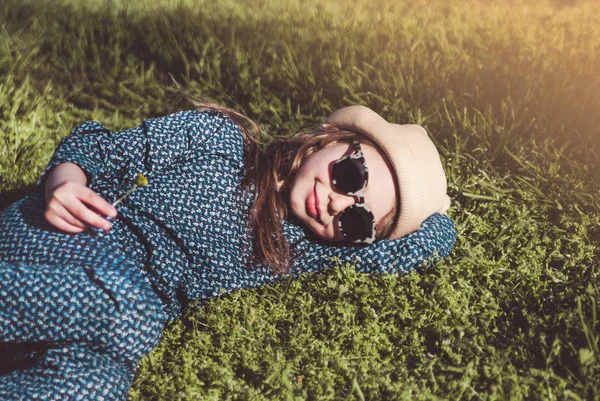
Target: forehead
380	194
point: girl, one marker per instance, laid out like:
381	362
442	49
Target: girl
87	287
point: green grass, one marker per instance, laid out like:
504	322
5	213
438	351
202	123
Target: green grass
511	95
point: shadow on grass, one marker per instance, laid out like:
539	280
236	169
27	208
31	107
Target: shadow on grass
9	197
123	58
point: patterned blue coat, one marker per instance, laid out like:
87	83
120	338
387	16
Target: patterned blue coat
182	237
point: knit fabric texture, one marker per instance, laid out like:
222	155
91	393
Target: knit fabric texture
80	310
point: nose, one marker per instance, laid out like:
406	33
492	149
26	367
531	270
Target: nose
338	202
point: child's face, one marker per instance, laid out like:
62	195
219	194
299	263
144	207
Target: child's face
313	182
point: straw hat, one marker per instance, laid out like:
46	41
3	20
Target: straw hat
414	161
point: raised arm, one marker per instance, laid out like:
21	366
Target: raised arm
433	241
93	166
107	157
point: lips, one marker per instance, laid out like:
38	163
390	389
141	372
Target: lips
312	204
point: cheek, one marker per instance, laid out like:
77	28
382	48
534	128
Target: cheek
293	198
335	233
314	167
298	194
301	181
329	233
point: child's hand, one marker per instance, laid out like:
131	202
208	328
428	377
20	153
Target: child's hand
73	207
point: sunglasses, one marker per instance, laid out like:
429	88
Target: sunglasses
350	176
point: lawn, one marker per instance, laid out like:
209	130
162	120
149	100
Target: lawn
510	93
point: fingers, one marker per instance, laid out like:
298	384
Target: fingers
62	219
91	198
74	207
85	215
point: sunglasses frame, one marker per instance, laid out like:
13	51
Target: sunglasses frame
360	201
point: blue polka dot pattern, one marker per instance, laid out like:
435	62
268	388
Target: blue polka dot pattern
77	315
83	309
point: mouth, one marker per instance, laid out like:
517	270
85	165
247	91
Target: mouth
312	204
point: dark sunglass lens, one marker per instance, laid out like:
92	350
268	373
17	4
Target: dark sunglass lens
356	223
349	175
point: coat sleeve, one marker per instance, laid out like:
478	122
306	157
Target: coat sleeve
433	241
115	157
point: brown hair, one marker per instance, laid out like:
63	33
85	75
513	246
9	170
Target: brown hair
272	167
